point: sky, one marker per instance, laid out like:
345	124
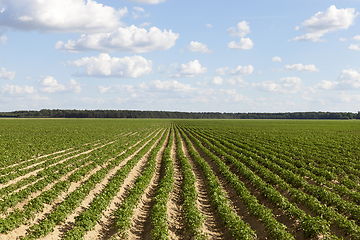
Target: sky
172	55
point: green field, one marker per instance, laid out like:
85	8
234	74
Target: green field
179	179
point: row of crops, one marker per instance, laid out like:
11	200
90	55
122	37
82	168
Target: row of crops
115	179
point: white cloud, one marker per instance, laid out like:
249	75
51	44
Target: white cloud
198	47
73	86
152	89
145	24
3	39
208	25
105	66
221	71
147	1
348	80
327	85
342	39
233	96
60	16
331	20
16	90
285	85
241	30
276	59
116	89
139	9
4	74
139	12
130	39
233	80
49	84
356	38
190	69
169	85
301	68
217	80
244	44
354	47
241	70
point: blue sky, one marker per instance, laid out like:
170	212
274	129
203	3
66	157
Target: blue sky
171	55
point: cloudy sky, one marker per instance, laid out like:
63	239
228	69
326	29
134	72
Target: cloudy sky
180	55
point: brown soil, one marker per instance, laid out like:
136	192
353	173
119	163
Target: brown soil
60	230
235	201
21	231
105	228
141	222
175	205
213	226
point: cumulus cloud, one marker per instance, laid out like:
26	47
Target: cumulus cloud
190	69
342	39
356	38
243	44
242	70
60	16
276	59
241	30
301	68
129	39
198	47
16	90
49	84
147	1
208	25
217	80
354	47
331	20
349	80
221	71
285	85
105	66
4	74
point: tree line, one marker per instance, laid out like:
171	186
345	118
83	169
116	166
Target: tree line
61	113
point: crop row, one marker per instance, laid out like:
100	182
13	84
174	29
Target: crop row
326	212
59	214
87	220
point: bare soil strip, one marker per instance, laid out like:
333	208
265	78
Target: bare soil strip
105	229
213	226
69	222
141	222
175	205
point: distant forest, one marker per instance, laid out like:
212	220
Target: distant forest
57	113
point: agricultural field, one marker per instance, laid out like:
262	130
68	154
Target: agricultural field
179	179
